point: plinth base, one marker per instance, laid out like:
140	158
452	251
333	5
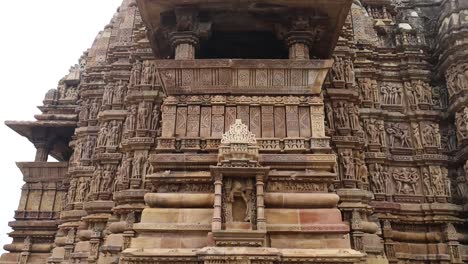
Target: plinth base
242	255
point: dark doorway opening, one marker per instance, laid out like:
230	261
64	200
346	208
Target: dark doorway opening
243	45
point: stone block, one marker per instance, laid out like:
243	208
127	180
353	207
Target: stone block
301	200
282	216
320	216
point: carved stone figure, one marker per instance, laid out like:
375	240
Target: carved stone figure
406	180
421	92
143	115
437	180
377	179
107	178
329	113
341	115
366	89
84	111
347	161
362	172
82	191
94	110
155	118
135	78
410	94
385	90
416	135
108	94
96	181
102	135
382	134
146	73
398	135
61	93
71	94
372	131
88	148
338	69
431	135
113	134
427	182
130	122
349	72
119	93
353	112
451	139
72	191
138	164
457	79
241	190
126	168
391	94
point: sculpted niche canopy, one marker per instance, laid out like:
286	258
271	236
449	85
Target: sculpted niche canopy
255	132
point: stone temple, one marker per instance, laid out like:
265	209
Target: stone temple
255	132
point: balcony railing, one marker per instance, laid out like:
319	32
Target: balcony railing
242	77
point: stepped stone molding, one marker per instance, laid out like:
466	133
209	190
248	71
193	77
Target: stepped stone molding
254	132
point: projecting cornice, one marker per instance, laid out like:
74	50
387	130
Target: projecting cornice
319	21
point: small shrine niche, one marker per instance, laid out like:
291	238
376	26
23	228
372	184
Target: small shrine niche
239	197
239	181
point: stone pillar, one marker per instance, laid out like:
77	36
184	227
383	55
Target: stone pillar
298	43
42	151
186	37
216	224
185	45
261	220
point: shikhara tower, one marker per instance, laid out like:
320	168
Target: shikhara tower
255	132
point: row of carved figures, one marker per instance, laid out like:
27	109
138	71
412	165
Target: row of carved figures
343	70
114	94
110	132
457	79
142	117
406	180
461	122
417	92
403	135
109	178
144	73
343	115
429	181
354	166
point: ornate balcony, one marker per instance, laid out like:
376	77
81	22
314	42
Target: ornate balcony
242	77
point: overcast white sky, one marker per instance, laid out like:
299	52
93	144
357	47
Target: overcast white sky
39	41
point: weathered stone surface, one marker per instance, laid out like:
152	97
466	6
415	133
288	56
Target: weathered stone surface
255	132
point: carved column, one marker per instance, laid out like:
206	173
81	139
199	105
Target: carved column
216	225
187	33
261	220
300	36
298	43
42	151
184	44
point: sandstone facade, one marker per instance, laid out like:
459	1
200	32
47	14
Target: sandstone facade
255	132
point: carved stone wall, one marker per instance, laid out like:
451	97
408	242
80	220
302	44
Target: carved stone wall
352	152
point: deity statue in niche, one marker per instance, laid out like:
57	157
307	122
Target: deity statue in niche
239	200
